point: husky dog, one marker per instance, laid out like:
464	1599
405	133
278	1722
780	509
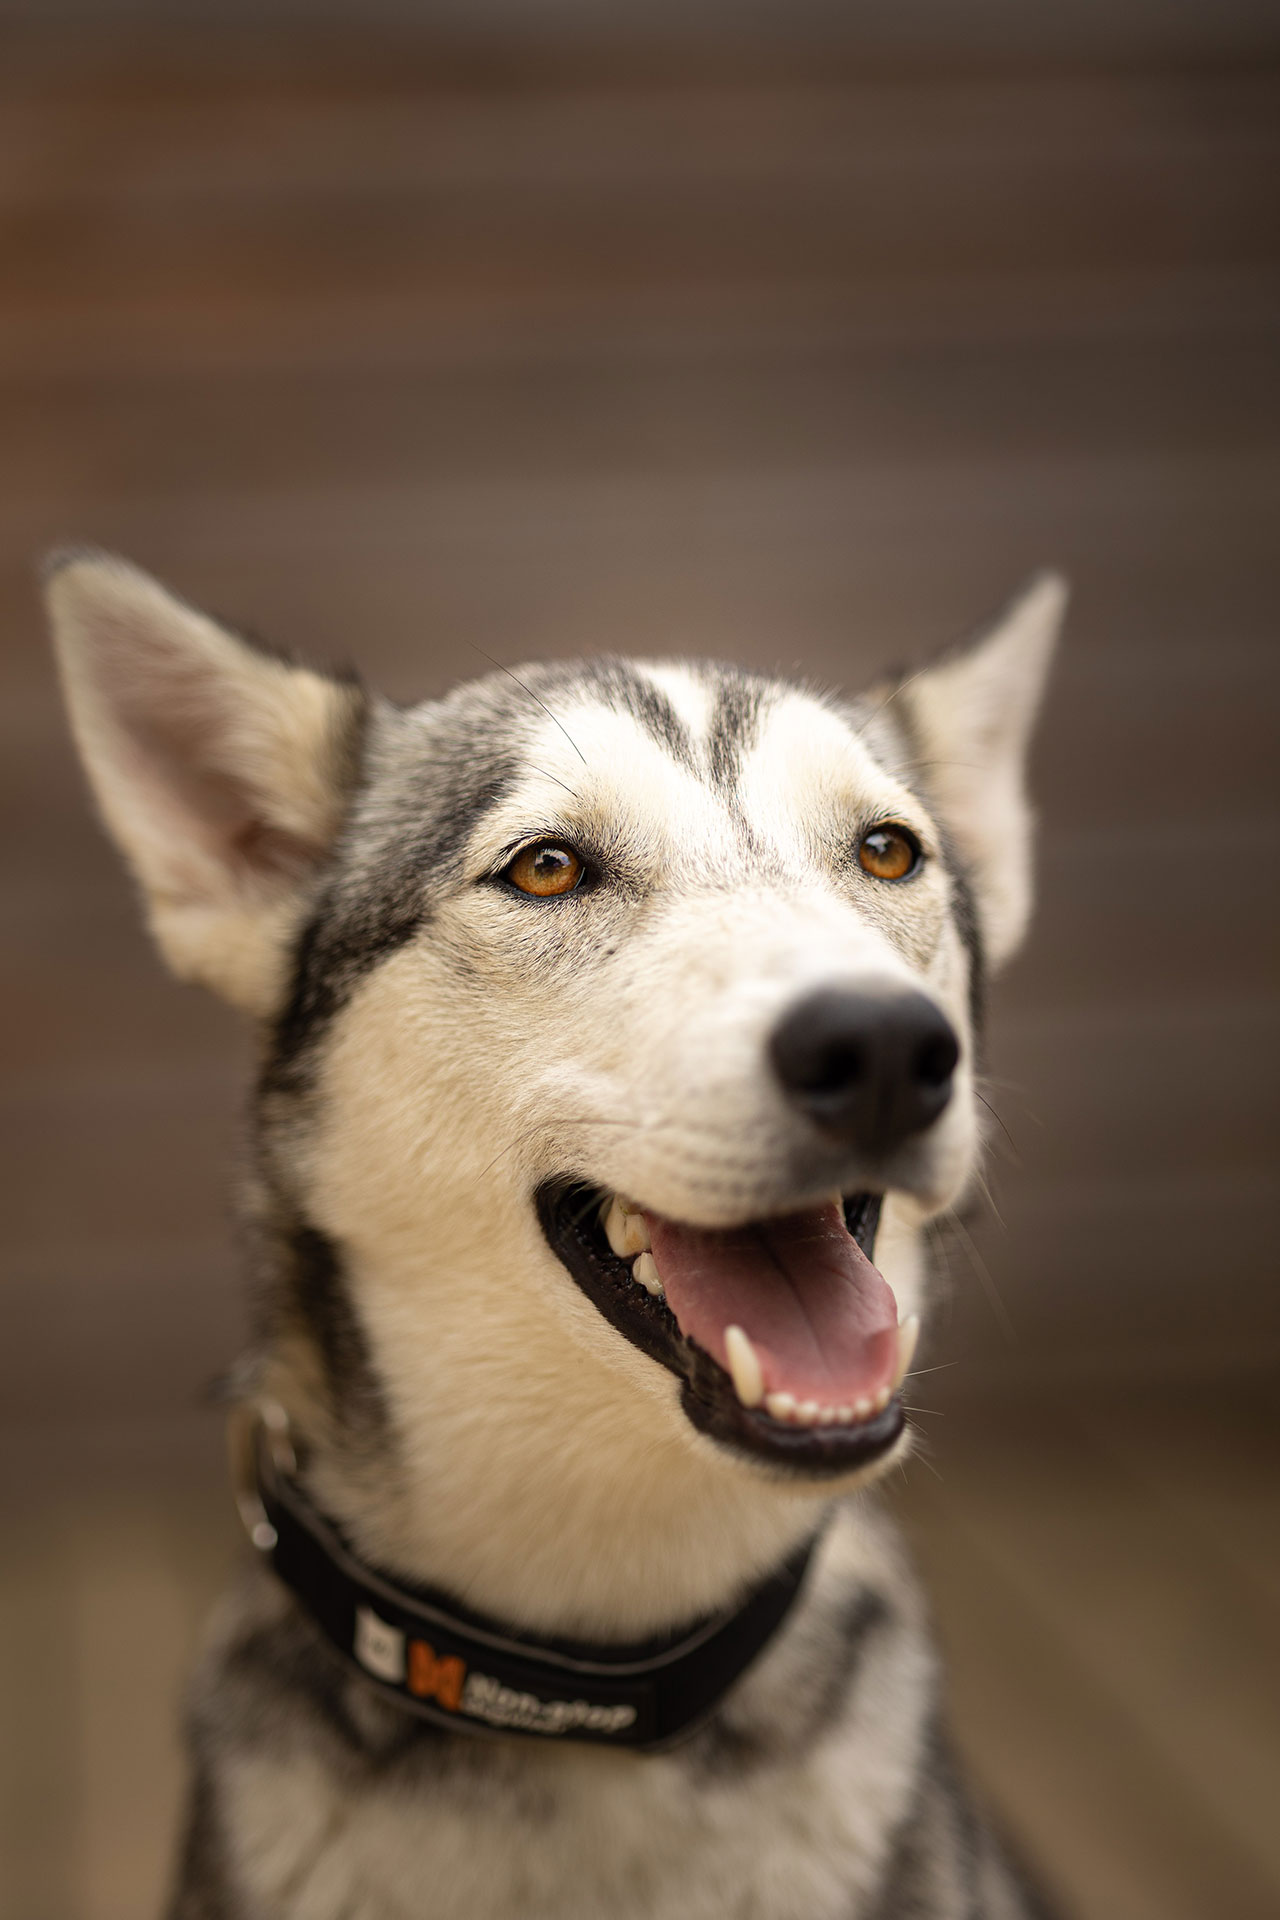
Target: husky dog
613	1015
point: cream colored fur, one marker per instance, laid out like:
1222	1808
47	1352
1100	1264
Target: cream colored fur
544	1470
628	1840
433	1131
214	767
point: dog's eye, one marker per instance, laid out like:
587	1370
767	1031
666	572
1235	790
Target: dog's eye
889	853
545	869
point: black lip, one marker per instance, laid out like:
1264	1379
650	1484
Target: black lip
569	1214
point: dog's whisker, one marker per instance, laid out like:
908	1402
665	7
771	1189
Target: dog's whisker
1013	1145
985	1278
555	779
493	661
984	1187
1003	1086
520	1140
966	766
922	1451
899	686
588	1206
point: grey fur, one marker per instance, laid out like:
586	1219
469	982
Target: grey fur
822	1785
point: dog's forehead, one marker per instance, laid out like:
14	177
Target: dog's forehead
690	756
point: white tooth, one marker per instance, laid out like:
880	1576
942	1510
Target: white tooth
645	1271
826	1416
625	1228
635	1230
908	1334
615	1227
881	1400
862	1409
744	1365
845	1416
781	1405
807	1413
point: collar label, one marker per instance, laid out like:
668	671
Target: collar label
401	1661
451	1666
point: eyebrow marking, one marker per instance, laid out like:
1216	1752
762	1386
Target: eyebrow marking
630	692
734	728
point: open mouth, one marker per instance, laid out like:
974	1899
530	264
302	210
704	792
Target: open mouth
784	1336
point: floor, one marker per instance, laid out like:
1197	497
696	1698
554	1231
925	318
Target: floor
408	356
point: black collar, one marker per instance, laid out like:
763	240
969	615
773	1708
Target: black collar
472	1674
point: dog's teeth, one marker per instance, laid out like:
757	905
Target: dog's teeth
862	1408
744	1365
635	1231
645	1271
625	1228
844	1416
908	1334
807	1413
615	1223
781	1405
826	1416
881	1399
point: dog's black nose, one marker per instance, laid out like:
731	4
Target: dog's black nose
871	1068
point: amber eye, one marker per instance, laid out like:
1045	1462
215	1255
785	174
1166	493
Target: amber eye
545	870
889	853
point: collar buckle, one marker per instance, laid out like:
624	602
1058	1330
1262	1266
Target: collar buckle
250	1424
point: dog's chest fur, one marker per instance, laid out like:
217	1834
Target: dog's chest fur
322	1803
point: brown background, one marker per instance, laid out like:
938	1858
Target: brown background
788	349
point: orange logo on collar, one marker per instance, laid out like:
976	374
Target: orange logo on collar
431	1677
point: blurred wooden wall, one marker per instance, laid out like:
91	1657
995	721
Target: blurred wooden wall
394	352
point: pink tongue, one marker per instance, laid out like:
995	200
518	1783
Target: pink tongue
822	1319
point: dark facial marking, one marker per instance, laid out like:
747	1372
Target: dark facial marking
735	725
315	1288
618	686
378	897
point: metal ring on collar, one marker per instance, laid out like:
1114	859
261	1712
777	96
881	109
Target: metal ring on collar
247	1423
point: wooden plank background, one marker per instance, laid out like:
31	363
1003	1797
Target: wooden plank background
394	351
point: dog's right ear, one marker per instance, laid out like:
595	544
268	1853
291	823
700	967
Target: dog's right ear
970	718
222	771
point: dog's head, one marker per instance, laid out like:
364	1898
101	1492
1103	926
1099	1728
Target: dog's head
610	1010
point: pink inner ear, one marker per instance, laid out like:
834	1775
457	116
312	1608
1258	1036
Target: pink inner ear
193	803
272	850
172	726
220	769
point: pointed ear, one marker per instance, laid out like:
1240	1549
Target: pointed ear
222	772
969	719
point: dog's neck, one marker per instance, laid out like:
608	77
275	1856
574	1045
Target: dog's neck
597	1540
568	1526
535	1481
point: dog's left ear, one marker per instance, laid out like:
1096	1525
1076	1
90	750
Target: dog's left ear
969	720
222	771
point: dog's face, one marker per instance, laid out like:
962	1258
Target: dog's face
618	1014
